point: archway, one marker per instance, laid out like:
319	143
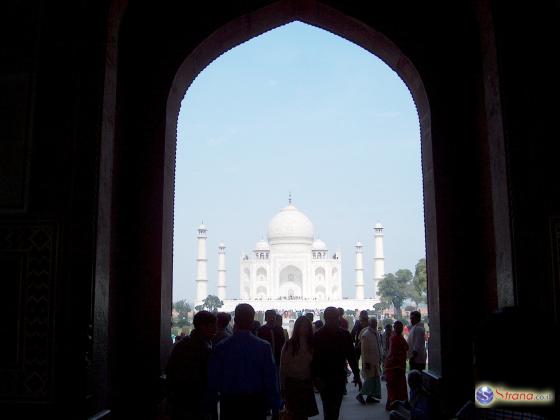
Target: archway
329	19
140	152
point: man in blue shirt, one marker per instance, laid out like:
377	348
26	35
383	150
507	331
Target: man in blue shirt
242	373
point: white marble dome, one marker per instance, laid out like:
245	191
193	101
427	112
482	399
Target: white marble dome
262	245
290	226
319	245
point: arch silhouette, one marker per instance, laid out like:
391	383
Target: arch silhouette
327	18
320	274
290	278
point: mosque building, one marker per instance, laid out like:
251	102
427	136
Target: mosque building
291	268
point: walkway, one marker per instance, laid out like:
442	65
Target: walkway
352	410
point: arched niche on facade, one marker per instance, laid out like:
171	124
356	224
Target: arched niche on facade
320	292
291	278
261	274
319	275
262	292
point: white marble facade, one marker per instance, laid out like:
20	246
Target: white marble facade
290	267
291	264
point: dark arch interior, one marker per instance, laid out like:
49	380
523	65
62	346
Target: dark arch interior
89	172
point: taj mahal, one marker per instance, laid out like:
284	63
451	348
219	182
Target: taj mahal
291	268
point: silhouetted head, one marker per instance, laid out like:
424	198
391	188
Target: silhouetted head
415	379
372	323
302	327
244	316
364	318
270	317
340	312
389	328
223	320
310	316
318	324
415	317
332	317
303	332
205	323
256	326
398	327
279	320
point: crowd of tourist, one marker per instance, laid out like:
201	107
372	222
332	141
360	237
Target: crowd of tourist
252	371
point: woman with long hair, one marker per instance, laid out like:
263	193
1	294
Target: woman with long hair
296	385
395	366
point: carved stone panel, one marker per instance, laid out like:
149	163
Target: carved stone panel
28	253
15	108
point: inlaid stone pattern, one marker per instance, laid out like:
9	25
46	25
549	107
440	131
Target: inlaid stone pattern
15	107
31	250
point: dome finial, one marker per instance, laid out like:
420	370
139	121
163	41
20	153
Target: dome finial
289	197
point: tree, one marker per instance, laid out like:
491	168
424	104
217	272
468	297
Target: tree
211	303
416	297
182	307
379	307
395	288
404	276
420	282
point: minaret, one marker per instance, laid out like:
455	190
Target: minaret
379	259
222	271
201	266
359	271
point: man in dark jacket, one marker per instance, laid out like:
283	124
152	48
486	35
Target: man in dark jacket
187	371
332	348
242	374
272	333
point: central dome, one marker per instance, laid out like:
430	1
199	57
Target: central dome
290	226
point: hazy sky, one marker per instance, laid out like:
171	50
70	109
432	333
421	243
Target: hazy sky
297	109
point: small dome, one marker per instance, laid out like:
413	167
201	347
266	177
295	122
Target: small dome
319	245
378	226
358	244
202	227
222	245
290	226
262	245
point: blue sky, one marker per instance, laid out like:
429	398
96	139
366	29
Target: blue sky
297	109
